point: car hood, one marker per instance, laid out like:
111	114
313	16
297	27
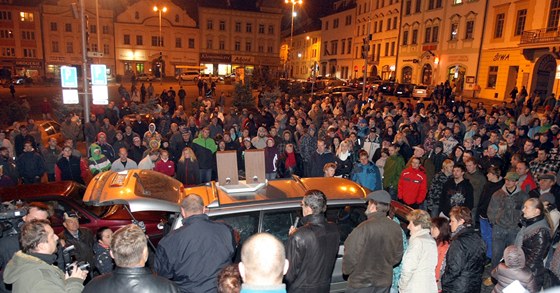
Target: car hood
141	190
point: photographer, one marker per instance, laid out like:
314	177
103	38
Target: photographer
9	244
31	269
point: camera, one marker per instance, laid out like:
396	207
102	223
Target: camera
69	256
10	219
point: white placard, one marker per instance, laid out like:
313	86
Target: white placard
100	94
68	76
70	97
98	74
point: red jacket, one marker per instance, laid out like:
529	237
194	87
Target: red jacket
167	168
412	186
528	184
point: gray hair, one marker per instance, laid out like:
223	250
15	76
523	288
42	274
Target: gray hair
514	257
316	200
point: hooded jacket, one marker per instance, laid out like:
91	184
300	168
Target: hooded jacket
97	162
204	148
28	273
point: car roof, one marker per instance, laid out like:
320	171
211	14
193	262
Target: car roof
24	191
145	190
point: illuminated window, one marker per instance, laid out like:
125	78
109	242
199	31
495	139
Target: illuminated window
26	16
8	52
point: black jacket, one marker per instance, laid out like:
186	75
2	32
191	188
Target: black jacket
464	263
193	255
456	195
133	280
312	251
30	165
188	172
318	161
83	244
70	169
534	239
284	172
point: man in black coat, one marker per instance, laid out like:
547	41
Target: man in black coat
312	247
458	191
129	249
30	165
81	238
193	255
321	157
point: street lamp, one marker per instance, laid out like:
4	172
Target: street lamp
160	10
293	2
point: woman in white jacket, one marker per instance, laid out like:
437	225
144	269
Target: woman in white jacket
420	259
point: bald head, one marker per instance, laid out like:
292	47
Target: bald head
263	260
192	204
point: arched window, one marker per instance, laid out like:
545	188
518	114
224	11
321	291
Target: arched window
427	74
406	74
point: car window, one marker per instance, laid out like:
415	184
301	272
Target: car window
57	208
346	218
278	223
244	224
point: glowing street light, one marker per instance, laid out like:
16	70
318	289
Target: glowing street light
160	10
294	14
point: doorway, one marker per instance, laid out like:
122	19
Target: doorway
543	75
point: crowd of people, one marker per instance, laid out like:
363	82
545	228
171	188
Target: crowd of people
482	181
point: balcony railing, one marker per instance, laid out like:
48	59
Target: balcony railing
545	35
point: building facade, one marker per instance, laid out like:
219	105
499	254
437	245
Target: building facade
239	41
337	41
441	42
521	48
306	54
62	29
379	23
20	41
162	42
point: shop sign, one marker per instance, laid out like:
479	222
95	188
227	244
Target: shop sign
57	59
243	60
28	63
458	58
501	57
218	58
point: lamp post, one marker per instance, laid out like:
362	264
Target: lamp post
160	10
293	2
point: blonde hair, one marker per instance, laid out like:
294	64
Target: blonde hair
339	149
420	217
191	155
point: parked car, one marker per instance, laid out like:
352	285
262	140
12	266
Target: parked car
66	196
145	77
189	75
267	207
387	88
404	90
420	91
338	91
48	129
330	81
22	80
147	118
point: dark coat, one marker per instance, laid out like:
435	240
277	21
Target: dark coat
534	238
506	276
131	280
284	172
70	169
83	244
312	251
318	161
464	263
456	195
30	165
193	255
188	172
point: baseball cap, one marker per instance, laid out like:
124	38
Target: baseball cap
381	196
512	176
70	215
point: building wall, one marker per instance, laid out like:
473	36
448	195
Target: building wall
440	42
232	39
137	31
63	38
20	42
336	59
521	56
306	54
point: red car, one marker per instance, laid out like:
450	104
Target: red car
66	196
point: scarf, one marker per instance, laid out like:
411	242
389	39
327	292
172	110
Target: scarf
343	156
290	160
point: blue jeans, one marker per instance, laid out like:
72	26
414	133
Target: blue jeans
205	175
501	238
486	233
